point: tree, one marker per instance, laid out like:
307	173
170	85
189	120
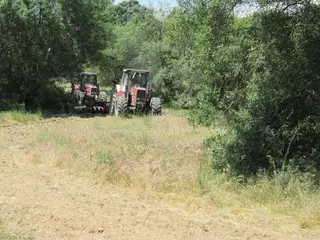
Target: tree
135	27
44	39
275	125
127	11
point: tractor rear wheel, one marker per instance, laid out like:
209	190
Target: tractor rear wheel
121	106
156	106
113	98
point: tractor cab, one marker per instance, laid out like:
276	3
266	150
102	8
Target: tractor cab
86	88
90	87
139	79
134	78
87	94
89	83
134	93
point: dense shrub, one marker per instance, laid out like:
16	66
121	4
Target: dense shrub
54	99
277	126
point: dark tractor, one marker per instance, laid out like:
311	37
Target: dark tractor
134	94
87	92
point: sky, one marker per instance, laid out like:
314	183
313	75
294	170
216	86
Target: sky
241	11
246	8
156	3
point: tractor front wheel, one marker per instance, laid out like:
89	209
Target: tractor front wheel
156	106
121	106
103	96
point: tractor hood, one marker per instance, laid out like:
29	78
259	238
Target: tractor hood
138	95
91	89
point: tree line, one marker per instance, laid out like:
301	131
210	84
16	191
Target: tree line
261	72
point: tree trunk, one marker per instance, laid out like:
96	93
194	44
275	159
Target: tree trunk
30	102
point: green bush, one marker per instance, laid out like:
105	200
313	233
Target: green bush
275	125
54	99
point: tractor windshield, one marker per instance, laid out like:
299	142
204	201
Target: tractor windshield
90	79
141	80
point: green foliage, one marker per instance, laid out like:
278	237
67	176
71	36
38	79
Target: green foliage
126	11
44	39
134	26
264	76
178	76
55	99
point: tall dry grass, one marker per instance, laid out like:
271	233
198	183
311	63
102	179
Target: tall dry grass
160	153
165	154
289	194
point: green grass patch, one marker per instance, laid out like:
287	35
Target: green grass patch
18	117
105	158
176	112
57	138
44	136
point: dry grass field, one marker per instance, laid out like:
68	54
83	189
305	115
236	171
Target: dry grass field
136	178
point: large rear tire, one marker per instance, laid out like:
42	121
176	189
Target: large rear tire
156	106
121	106
113	98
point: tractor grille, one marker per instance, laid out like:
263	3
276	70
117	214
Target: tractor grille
141	94
94	91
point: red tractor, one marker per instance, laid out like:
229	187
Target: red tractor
134	94
87	92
